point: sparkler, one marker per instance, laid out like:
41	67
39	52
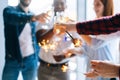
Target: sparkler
77	42
61	19
47	45
64	68
69	35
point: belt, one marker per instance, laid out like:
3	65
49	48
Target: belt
32	56
53	65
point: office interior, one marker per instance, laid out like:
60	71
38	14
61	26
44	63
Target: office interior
80	10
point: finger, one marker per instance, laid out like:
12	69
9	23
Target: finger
91	74
95	67
43	16
63	24
46	16
41	20
94	62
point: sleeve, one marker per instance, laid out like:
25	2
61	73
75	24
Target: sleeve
104	25
11	15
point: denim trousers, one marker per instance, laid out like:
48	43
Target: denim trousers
28	68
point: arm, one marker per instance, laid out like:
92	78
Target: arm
11	15
104	25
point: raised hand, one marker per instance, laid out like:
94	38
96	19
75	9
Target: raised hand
40	17
61	28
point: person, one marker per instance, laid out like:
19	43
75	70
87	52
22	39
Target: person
53	59
107	25
101	48
102	8
20	41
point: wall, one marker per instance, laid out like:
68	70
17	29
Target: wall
2	50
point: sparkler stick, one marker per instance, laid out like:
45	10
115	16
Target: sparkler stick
69	35
76	41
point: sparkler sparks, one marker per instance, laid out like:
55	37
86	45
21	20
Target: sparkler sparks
64	68
52	44
77	42
47	45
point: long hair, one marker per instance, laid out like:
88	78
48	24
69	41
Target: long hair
108	7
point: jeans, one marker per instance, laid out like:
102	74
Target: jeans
28	69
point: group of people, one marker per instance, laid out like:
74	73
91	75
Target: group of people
23	52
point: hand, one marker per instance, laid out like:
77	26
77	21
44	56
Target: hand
105	69
60	28
72	51
59	57
68	20
40	18
91	74
67	53
63	56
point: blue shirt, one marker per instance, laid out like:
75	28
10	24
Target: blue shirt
14	22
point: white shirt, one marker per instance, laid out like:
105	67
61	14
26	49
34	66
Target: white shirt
104	47
61	45
25	40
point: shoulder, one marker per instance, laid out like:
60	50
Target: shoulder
9	8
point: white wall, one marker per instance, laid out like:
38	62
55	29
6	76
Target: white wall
2	50
116	6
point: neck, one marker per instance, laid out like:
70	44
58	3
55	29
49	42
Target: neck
99	16
24	8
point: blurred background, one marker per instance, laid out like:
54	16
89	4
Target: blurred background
78	10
